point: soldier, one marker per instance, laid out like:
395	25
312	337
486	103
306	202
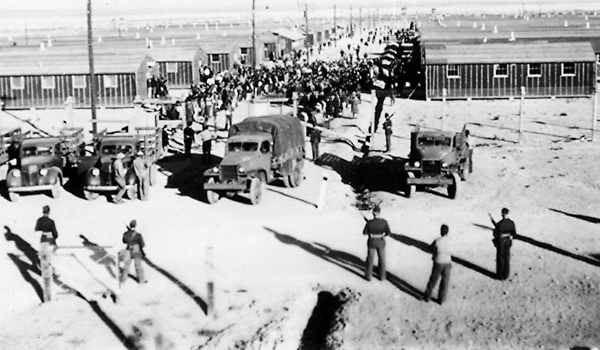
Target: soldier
315	139
442	265
46	227
142	172
134	250
387	127
504	232
119	176
188	139
207	137
377	229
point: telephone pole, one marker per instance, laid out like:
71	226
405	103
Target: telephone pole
92	74
359	20
307	43
351	25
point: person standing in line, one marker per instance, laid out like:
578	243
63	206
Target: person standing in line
315	139
134	250
387	127
504	232
354	102
188	140
377	229
442	265
47	228
119	177
142	174
207	137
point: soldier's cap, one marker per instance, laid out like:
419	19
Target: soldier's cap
133	224
46	209
120	155
504	211
376	209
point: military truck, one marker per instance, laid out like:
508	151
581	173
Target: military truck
437	159
43	163
97	171
259	150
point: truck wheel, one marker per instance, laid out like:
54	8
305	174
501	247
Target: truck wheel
297	174
90	196
453	188
464	171
132	192
410	189
13	196
56	189
256	187
212	197
153	174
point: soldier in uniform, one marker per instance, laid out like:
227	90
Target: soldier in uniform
377	229
142	174
387	127
504	232
47	228
119	176
134	250
188	139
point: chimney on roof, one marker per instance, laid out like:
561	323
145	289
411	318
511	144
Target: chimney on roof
586	17
217	26
137	35
42	47
147	43
495	29
206	26
512	36
99	39
151	30
458	24
484	40
482	26
587	25
197	36
151	45
474	24
173	42
49	43
566	23
163	40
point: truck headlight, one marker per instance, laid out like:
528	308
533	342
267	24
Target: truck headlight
16	173
214	170
44	172
417	164
95	171
444	165
241	170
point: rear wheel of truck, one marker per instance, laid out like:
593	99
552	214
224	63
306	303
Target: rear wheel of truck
256	188
297	173
13	196
153	174
90	196
410	189
453	188
212	197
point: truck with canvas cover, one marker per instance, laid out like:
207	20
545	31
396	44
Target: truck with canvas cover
438	159
97	169
43	163
259	150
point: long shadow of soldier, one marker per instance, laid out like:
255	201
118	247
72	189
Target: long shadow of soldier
101	256
26	268
348	262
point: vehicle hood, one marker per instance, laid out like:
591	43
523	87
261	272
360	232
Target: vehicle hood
237	158
433	153
40	161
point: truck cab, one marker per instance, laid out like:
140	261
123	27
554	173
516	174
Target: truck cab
42	163
437	159
98	176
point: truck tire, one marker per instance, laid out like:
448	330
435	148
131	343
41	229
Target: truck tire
153	176
13	196
297	174
453	188
256	188
90	196
212	197
410	189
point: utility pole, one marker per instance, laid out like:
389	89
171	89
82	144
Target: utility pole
253	38
92	74
307	43
360	20
334	27
351	25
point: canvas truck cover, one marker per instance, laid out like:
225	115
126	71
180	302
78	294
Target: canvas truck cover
286	131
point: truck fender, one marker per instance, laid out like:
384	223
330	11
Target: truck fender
54	176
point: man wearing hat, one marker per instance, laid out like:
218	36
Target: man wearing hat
504	232
46	227
142	174
377	229
134	250
119	176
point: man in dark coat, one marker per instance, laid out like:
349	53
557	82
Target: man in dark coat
377	229
188	139
315	139
504	232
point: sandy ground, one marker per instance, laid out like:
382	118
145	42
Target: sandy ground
289	276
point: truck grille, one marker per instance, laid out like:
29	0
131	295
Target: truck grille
432	167
31	176
229	172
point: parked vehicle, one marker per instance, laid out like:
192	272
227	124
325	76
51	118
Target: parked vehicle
43	163
259	150
97	169
437	159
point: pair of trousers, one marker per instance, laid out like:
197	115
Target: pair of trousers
188	148
315	151
121	189
439	270
388	142
126	257
380	250
143	185
503	258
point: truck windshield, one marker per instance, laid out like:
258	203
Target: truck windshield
434	141
37	151
113	150
243	146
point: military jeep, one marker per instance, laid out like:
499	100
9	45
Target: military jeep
437	159
43	163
